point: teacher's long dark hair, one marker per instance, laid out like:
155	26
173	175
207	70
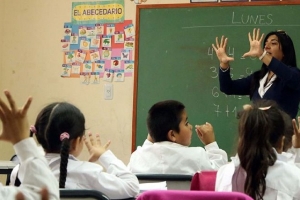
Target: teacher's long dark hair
288	50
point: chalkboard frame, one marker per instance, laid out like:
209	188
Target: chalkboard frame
139	8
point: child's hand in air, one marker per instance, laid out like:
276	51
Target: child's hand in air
205	133
94	146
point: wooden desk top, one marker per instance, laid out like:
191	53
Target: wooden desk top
5	164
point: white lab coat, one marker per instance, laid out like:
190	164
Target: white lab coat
293	156
172	158
34	173
117	182
14	172
282	180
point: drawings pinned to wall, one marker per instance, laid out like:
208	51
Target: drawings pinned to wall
95	49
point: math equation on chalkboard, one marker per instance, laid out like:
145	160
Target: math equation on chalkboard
219	98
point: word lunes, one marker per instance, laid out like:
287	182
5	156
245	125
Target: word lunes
251	19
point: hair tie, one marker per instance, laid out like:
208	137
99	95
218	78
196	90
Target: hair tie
264	108
32	129
64	135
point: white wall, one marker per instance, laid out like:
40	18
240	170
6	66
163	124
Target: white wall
30	64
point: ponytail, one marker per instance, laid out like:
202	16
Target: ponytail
64	157
260	129
57	125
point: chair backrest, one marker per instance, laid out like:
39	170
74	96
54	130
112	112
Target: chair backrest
204	180
68	194
17	182
191	195
174	181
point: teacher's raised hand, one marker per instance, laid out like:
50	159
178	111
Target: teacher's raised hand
255	44
220	49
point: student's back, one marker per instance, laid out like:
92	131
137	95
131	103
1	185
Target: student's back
34	172
259	169
60	128
170	152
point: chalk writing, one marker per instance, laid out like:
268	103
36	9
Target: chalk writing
251	19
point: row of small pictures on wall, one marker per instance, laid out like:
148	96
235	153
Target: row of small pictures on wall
197	1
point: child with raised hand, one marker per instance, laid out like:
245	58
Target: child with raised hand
166	149
34	171
259	170
60	128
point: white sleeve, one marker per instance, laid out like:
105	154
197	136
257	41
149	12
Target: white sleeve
117	182
217	156
296	156
34	174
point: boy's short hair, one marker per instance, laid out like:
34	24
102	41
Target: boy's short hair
163	117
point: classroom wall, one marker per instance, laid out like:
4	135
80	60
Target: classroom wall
30	64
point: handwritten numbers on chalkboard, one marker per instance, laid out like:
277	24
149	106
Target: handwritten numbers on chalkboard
248	71
215	92
217	109
210	52
229	111
231	52
234	111
214	71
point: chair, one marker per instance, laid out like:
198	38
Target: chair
191	195
174	181
15	159
70	194
67	194
204	180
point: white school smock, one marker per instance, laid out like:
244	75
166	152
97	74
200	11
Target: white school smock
293	156
282	180
117	182
34	173
14	172
172	158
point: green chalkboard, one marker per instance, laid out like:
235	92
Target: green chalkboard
174	59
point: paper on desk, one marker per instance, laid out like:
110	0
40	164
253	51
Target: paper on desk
153	186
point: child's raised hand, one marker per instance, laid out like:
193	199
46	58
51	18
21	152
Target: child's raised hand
205	133
14	120
220	49
255	44
94	146
296	136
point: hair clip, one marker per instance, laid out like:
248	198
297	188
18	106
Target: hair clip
32	129
264	108
282	32
247	107
64	135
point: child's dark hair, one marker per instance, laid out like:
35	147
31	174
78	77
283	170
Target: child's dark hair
260	129
163	117
56	120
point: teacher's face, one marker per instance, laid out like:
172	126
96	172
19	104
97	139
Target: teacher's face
273	47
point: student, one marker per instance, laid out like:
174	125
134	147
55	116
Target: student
171	134
13	178
258	169
60	128
290	150
34	171
278	79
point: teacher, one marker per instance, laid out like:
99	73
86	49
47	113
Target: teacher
277	80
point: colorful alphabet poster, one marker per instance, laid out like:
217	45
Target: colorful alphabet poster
101	50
